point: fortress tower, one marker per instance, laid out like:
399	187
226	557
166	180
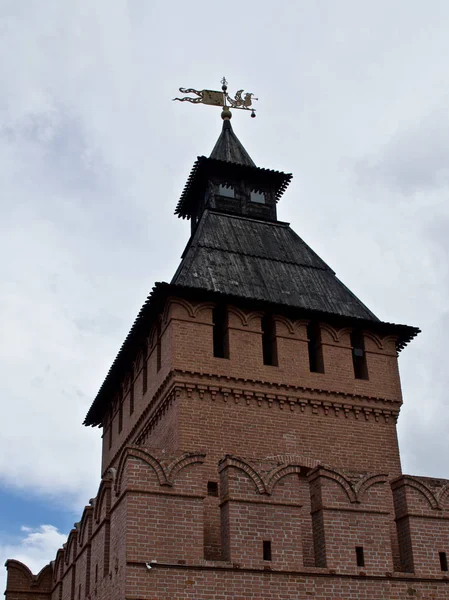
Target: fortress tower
249	428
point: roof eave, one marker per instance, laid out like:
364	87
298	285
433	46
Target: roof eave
197	175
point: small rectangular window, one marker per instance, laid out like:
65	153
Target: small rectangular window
359	355
131	397
220	331
360	556
144	375
269	345
110	434
158	347
258	197
267	550
443	561
226	190
316	363
120	416
212	488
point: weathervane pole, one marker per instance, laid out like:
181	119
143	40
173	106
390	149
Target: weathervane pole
216	98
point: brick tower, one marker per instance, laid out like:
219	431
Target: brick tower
249	428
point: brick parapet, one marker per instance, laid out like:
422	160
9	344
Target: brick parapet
422	518
151	508
246	352
351	514
323	487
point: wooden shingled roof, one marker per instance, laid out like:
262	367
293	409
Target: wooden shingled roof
266	261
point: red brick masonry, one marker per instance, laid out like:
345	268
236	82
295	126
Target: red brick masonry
224	478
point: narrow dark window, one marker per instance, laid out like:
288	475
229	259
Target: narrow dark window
131	397
360	556
316	362
144	375
158	348
110	434
120	416
212	488
73	586
120	410
79	592
220	331
269	348
443	561
267	550
359	355
96	573
61	590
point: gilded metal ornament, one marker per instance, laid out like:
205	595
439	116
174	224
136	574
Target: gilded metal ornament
203	96
241	100
238	101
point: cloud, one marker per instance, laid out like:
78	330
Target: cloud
35	547
414	159
93	156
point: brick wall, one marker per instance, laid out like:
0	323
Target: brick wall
206	458
422	517
352	516
164	583
251	518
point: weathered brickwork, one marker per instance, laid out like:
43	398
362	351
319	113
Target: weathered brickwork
227	478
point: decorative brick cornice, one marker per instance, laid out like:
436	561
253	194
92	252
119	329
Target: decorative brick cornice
279	387
293	399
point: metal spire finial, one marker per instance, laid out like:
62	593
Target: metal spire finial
214	98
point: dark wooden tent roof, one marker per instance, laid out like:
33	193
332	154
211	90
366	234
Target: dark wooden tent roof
258	260
229	148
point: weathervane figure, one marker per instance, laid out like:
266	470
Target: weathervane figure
240	101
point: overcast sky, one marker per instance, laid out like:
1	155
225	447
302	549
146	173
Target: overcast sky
353	100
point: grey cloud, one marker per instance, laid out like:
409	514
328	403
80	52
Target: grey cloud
94	156
415	158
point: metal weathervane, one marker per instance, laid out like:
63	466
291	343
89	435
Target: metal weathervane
240	101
